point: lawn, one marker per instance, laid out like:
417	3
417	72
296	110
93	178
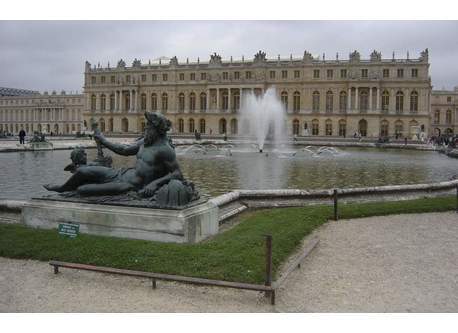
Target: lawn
235	255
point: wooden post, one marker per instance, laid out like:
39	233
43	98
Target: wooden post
335	205
268	280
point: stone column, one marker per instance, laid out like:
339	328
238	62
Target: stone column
229	101
107	101
217	99
356	99
370	99
136	100
116	100
131	101
349	100
119	98
377	92
208	100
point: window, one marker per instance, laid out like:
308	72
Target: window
128	78
284	74
414	102
103	103
448	117
102	79
398	128
203	102
363	101
143	102
343	73
315	128
225	100
180	125
164	102
297	74
202	126
154	77
295	127
385	100
296	101
316	101
237	75
113	79
284	99
400	73
203	76
343	102
236	104
181	76
164	77
181	102
316	73
414	72
342	128
248	75
192	102
364	73
449	99
93	99
154	102
225	75
93	79
193	76
143	77
386	72
437	116
329	73
399	102
112	102
234	126
272	74
328	127
329	102
191	125
384	128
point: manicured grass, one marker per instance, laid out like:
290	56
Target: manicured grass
235	255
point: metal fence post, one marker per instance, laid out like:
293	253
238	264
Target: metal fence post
335	205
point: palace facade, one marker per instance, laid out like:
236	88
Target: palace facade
374	97
32	111
444	112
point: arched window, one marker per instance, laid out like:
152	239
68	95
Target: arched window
110	125
191	125
343	102
363	101
103	102
143	102
93	101
448	117
342	127
154	102
413	102
180	125
399	102
180	102
384	128
203	101
398	128
192	102
328	127
127	102
362	127
296	101
202	126
222	126
225	101
236	101
142	125
316	101
329	101
164	102
284	99
385	101
437	117
102	124
295	127
234	126
124	125
112	102
315	127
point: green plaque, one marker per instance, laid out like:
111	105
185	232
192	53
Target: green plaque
69	229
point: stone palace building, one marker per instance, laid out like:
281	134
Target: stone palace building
374	97
29	110
444	112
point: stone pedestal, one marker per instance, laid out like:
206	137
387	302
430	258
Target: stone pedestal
189	225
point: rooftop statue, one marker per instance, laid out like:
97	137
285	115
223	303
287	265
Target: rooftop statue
260	56
121	64
173	61
215	58
156	177
136	63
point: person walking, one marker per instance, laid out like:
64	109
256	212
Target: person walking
21	136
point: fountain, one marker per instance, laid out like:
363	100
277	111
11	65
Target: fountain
264	116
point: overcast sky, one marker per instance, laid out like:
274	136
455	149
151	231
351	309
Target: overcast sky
50	55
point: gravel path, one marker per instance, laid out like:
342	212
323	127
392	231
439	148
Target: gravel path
401	263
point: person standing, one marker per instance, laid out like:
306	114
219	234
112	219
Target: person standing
21	136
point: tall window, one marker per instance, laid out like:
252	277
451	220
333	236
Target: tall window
272	74
202	126
329	73
413	102
234	126
203	76
192	101
328	127
164	101
193	76
180	125
385	100
295	127
164	77
284	74
448	117
363	101
225	75
181	102
364	73
112	102
400	73
225	100
386	72
297	74
143	102
248	75
181	76
315	128
384	128
342	128
93	99
153	102
437	117
191	126
296	101
329	101
222	126
343	73
237	75
316	101
236	102
343	102
103	102
414	72
316	73
398	128
284	99
399	102
203	102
